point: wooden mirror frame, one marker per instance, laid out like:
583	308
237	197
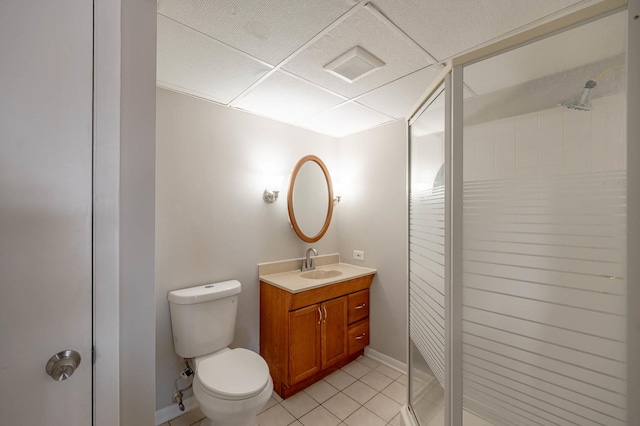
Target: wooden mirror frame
292	216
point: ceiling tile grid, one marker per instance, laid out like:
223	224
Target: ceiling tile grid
200	65
399	97
269	57
366	30
287	98
449	27
344	120
268	30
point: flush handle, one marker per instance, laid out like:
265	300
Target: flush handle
62	365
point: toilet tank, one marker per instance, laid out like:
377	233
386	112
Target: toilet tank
203	318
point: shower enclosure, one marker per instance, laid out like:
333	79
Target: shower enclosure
524	245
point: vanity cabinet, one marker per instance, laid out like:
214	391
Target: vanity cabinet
307	335
319	338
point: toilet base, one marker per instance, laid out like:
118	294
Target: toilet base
221	412
209	422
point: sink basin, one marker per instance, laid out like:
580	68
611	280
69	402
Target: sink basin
319	274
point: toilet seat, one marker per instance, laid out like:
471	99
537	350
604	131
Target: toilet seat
233	374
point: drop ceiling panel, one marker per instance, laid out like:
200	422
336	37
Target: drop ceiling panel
446	28
577	47
344	120
287	98
194	63
268	30
399	97
369	31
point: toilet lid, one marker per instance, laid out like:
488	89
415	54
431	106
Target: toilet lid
234	374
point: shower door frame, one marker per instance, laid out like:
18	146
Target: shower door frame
452	78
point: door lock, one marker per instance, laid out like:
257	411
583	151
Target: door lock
62	365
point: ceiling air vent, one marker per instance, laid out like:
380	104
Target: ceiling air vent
354	64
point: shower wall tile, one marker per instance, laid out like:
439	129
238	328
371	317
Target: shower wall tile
505	130
553	117
551	155
505	159
527	141
527	172
577	127
616	158
551	135
548	143
506	173
485	131
551	170
577	152
577	168
469	154
526	158
485	158
527	123
599	154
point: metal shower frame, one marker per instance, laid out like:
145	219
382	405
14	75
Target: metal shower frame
452	78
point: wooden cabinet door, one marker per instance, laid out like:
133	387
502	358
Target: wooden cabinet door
304	338
334	331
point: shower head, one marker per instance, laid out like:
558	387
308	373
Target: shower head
580	101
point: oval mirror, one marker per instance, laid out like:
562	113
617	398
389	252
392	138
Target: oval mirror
310	199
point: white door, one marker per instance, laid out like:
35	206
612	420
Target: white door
45	209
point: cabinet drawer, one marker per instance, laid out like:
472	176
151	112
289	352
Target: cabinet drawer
358	306
358	336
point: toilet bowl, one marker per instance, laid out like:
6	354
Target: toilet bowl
231	386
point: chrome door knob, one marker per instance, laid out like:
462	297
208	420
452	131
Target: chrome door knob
62	365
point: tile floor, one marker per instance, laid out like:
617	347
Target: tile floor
362	393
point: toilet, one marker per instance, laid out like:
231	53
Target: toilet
230	385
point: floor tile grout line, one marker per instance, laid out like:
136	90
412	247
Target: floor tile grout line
396	378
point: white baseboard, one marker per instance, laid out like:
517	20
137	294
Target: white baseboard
386	359
407	418
172	411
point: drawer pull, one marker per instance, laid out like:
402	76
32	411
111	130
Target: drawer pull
325	313
360	306
360	337
319	315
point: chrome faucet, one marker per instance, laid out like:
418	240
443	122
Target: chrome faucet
308	264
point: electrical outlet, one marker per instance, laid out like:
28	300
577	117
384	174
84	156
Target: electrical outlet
358	255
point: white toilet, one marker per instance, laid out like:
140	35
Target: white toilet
230	385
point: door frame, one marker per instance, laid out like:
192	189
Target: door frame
124	212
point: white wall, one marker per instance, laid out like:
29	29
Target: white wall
373	218
211	221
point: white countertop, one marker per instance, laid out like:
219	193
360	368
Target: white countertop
291	281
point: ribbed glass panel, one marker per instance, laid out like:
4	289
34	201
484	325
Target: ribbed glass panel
427	265
426	276
544	296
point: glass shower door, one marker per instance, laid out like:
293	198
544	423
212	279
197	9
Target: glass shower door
427	264
544	208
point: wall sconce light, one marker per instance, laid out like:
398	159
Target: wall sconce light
272	190
337	189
